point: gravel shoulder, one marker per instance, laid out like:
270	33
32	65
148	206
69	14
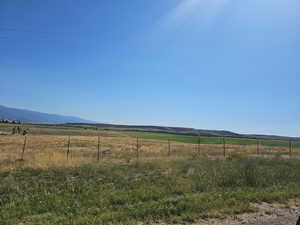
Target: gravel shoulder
268	214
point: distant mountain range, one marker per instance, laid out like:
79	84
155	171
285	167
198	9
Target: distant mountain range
28	116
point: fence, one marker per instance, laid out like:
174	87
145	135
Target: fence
47	149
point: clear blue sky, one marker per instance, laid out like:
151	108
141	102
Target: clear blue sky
211	64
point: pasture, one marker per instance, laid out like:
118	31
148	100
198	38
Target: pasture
212	140
79	176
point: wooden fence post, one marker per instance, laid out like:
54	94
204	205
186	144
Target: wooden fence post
137	148
199	145
24	147
224	147
169	147
98	153
290	147
257	146
68	151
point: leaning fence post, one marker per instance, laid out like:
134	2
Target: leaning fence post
68	151
224	147
24	147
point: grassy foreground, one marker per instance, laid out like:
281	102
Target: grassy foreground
170	191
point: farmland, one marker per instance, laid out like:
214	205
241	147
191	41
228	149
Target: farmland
79	175
212	140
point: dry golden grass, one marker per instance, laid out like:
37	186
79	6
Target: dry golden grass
48	151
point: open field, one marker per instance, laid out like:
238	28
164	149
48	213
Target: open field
86	130
212	140
177	191
46	151
47	146
162	182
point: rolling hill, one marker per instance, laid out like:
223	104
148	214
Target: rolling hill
28	116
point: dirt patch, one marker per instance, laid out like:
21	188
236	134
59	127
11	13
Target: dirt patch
268	214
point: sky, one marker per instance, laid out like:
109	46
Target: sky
209	64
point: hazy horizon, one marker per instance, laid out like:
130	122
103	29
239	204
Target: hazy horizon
205	64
